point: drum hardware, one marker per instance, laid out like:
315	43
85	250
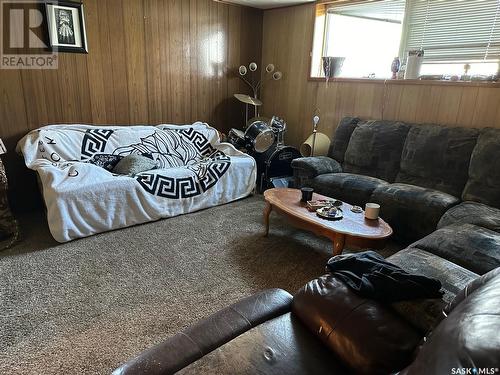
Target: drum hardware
279	128
264	140
260	135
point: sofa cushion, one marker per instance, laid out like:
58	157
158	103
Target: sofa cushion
484	175
341	138
437	157
472	213
354	189
366	335
470	246
413	211
425	314
375	149
467	340
106	161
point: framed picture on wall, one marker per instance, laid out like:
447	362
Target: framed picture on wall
66	26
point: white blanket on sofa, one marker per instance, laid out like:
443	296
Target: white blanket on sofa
82	197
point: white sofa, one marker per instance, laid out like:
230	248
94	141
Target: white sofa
195	171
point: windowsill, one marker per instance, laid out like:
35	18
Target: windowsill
409	82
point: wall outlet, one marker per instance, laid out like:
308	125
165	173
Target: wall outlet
3	150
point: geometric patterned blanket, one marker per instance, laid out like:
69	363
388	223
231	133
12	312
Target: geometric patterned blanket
83	196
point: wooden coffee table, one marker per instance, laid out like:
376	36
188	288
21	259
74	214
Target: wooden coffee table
353	229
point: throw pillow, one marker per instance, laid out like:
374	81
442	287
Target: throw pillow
133	164
106	161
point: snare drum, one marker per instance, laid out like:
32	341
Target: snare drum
260	136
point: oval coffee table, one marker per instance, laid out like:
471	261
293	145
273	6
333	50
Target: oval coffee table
353	229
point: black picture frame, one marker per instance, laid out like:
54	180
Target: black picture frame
65	26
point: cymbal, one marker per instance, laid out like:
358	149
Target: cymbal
248	99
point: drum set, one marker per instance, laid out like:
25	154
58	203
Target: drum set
264	140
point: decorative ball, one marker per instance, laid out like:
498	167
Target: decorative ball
270	68
277	76
252	67
243	70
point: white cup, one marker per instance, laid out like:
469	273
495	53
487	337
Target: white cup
372	211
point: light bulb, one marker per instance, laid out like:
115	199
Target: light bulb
243	70
270	68
252	67
277	76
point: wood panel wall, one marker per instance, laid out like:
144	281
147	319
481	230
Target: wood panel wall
149	62
287	40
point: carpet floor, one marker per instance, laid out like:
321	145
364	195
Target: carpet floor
86	306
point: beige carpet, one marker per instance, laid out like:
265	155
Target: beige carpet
86	306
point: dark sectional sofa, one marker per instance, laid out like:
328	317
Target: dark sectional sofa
437	185
327	329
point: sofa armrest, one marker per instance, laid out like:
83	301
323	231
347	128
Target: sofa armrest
201	338
310	167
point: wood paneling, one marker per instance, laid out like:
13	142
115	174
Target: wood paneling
287	43
149	62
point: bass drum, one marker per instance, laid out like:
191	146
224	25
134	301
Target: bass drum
276	162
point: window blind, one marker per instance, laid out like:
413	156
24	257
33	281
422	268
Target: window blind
382	10
454	30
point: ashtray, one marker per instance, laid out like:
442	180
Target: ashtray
330	213
356	209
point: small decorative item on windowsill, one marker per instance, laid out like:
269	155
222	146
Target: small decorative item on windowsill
9	229
396	64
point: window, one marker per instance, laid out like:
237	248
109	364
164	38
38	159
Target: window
369	34
453	33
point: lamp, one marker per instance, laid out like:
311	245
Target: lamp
317	144
255	86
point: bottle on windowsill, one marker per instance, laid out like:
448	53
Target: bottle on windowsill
401	73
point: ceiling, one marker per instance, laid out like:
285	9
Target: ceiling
268	4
